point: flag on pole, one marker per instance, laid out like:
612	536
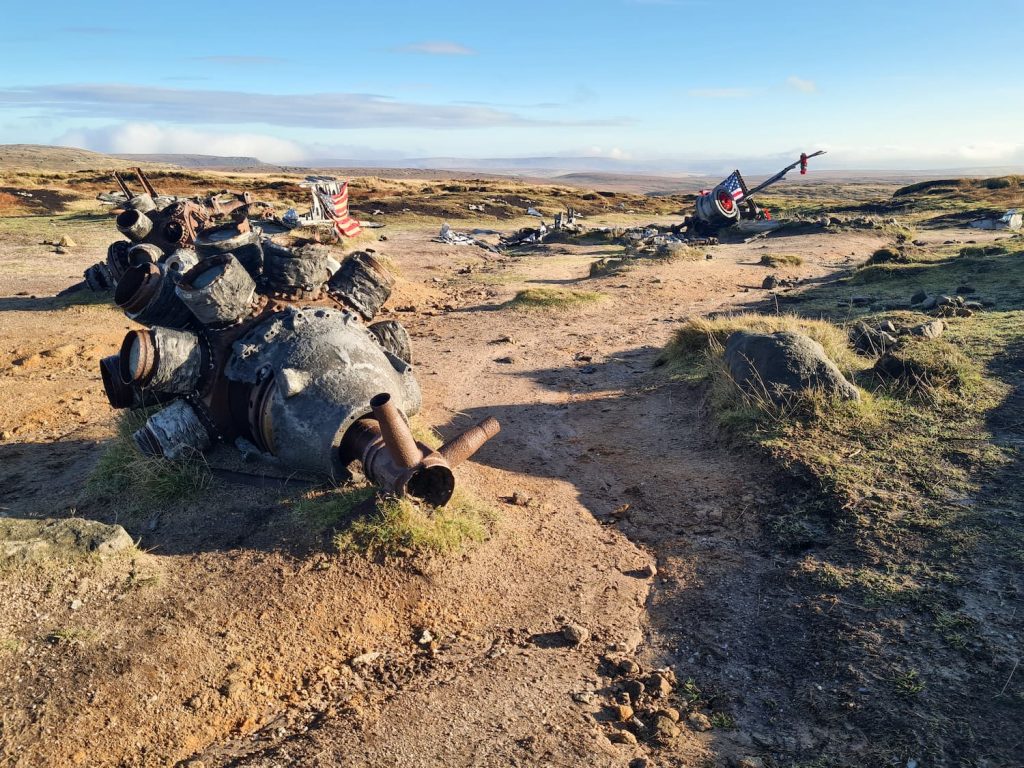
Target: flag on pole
734	186
336	208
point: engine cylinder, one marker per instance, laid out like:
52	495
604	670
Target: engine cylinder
362	283
134	224
218	290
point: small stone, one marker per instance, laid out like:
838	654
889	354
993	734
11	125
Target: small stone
59	250
520	499
930	330
930	303
699	721
76	604
426	638
575	634
670	712
507	360
749	761
621	737
658	685
629	667
708	256
665	729
770	283
918	297
649	571
634	689
640	762
584	697
366	658
622	712
974	305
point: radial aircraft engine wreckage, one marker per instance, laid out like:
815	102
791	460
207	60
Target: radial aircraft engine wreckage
158	226
271	351
730	202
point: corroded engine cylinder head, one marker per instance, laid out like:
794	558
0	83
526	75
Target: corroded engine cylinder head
236	238
147	295
290	271
162	359
176	432
218	290
134	224
363	283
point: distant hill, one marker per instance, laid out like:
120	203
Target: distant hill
199	161
37	157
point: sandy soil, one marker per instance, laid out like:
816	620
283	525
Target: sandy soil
237	639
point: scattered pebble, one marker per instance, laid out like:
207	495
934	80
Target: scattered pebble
575	634
699	721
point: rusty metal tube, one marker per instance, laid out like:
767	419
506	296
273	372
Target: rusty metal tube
460	448
134	224
395	431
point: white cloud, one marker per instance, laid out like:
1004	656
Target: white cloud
804	86
150	139
312	110
438	48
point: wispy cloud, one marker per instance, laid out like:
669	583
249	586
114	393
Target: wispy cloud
804	86
719	93
315	110
150	139
438	48
239	61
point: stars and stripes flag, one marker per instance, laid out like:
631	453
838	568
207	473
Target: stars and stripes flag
734	185
336	208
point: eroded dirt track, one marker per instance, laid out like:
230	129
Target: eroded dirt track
232	640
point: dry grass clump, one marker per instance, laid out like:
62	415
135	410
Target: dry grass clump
133	480
777	260
553	298
697	336
678	252
609	267
402	526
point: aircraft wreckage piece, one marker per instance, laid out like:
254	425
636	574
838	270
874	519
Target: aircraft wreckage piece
730	202
157	226
274	356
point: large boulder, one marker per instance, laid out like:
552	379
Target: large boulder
26	540
782	364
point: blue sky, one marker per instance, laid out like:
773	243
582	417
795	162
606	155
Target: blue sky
680	83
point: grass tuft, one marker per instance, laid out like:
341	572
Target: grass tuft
133	480
781	260
553	298
401	527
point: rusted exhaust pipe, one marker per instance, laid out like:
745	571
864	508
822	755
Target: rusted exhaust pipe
460	448
395	431
134	224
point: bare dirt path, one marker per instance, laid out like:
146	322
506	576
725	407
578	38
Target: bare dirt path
237	648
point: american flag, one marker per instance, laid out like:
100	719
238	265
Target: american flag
734	186
336	207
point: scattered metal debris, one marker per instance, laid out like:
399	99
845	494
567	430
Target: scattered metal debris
449	236
1011	220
